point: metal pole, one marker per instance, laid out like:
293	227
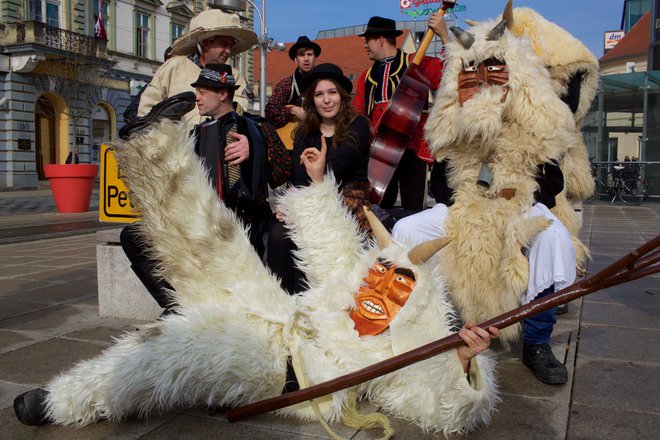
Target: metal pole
263	47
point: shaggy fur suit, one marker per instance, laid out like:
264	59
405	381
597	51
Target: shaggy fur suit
486	271
235	328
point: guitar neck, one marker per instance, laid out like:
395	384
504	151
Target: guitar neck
428	36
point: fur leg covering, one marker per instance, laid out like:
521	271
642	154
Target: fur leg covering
214	355
201	245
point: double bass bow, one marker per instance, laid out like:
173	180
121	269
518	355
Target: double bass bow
399	121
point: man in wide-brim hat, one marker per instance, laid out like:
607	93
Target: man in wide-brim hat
213	37
284	103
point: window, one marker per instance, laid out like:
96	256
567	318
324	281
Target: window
176	30
38	9
95	14
142	34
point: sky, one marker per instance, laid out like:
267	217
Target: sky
587	20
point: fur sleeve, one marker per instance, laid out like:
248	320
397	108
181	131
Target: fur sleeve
201	245
327	236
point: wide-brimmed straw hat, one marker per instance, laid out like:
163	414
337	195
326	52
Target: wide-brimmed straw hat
303	41
211	23
216	76
381	26
328	71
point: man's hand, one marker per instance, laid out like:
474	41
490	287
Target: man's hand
477	340
296	111
239	151
438	25
314	161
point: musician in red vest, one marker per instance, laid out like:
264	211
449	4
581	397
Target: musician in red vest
242	154
374	91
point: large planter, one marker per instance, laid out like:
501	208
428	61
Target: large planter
72	185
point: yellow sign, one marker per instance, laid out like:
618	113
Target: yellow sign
115	203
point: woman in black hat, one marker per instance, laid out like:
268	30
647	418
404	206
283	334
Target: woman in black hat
329	115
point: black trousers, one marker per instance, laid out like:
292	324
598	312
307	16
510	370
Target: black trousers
279	258
410	179
145	267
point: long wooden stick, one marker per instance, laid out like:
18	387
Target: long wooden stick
639	263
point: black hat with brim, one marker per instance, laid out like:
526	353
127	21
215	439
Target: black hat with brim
381	26
328	71
216	76
303	41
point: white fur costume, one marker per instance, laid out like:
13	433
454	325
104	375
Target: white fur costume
236	327
486	271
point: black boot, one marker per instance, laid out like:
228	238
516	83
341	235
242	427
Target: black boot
561	309
172	108
543	363
30	407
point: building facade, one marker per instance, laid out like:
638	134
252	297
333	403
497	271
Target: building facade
64	87
623	124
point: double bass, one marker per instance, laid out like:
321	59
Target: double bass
399	121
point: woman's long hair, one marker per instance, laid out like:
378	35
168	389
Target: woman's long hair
312	122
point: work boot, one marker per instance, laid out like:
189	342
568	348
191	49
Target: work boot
543	363
30	407
172	108
561	309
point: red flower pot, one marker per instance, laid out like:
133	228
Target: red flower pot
72	185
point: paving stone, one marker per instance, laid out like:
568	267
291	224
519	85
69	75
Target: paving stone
279	423
12	340
619	343
624	294
201	428
130	429
624	315
523	418
106	332
57	320
37	364
8	392
17	307
61	293
588	423
616	384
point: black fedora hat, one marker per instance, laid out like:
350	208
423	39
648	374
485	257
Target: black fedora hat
328	71
381	26
303	41
216	76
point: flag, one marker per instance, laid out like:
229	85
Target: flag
99	30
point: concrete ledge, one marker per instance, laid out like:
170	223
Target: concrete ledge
121	293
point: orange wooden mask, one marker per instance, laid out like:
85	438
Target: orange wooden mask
385	291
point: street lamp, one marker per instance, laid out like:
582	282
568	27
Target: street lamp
265	42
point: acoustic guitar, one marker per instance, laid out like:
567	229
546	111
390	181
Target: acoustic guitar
286	133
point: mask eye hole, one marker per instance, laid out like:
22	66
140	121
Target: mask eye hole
472	68
495	68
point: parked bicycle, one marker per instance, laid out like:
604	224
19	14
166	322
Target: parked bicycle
631	190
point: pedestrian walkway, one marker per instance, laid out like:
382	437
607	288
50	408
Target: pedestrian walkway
608	340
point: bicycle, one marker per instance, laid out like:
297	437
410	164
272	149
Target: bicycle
631	190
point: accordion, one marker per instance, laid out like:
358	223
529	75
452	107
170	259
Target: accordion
212	139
